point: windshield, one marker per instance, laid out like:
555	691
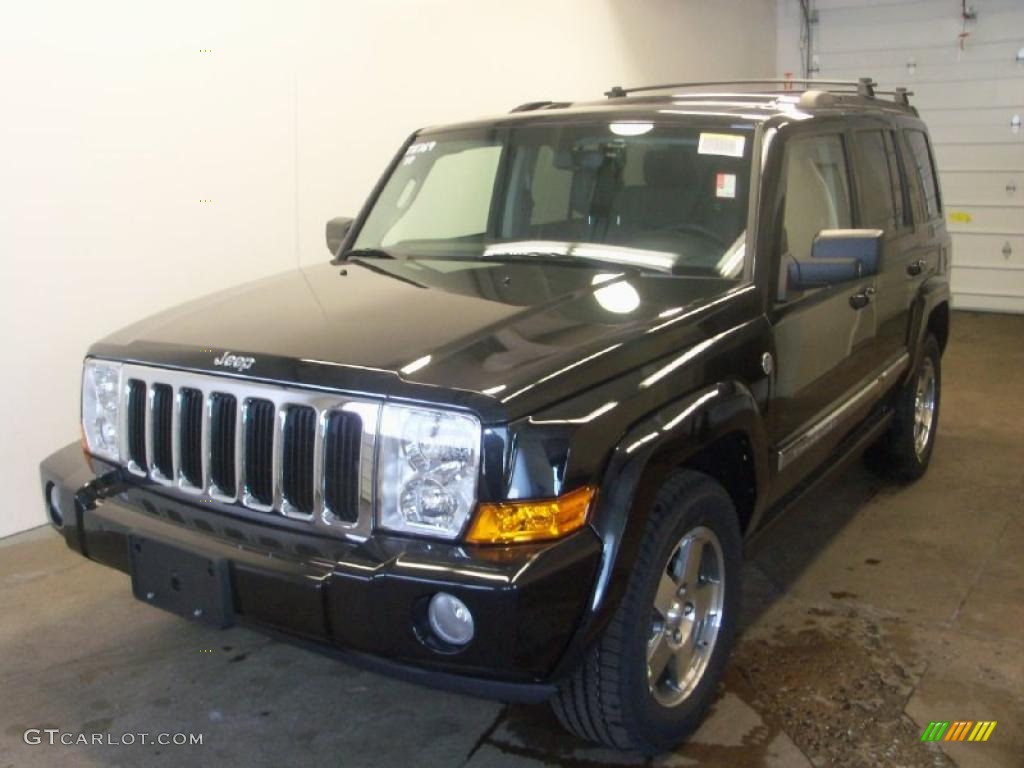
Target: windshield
667	197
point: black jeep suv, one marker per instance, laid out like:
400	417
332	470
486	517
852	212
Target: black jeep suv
514	437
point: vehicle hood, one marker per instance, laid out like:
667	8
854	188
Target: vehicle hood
458	331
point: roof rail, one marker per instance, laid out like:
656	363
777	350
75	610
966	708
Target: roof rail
865	86
530	106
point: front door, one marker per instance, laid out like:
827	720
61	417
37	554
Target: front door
824	337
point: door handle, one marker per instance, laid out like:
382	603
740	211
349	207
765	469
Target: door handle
915	268
862	298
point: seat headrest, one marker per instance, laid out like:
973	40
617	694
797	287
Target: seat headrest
589	159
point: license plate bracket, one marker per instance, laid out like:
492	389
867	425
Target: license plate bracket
192	585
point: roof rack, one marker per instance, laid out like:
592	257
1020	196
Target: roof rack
865	86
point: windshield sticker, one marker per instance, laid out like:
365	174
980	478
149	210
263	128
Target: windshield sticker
726	144
725	185
422	147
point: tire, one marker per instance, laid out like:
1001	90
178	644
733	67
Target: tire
608	698
901	454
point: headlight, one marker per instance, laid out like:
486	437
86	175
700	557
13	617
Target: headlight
427	470
101	390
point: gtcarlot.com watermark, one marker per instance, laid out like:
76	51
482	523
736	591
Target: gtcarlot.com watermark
57	737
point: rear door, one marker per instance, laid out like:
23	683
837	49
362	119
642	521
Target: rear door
885	203
931	253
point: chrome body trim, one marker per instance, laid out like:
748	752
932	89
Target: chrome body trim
795	447
245	391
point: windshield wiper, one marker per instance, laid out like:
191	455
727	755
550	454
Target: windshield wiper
556	257
367	253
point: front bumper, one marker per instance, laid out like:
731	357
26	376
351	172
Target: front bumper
362	601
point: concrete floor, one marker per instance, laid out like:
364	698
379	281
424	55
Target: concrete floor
871	610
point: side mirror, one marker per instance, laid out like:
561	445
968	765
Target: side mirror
865	245
336	231
814	273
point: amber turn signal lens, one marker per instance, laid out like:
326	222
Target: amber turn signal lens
514	522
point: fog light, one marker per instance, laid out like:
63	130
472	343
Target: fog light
450	619
53	505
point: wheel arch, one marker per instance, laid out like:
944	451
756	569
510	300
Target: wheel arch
701	431
930	313
938	324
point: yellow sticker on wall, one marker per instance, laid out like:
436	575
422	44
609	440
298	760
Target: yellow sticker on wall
960	217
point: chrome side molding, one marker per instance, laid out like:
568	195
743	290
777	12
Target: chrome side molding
795	447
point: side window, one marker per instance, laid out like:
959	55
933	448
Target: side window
898	172
817	192
881	188
921	157
904	211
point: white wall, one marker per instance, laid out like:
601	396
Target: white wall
116	125
968	98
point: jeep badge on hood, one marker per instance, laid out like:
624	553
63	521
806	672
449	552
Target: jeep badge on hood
237	362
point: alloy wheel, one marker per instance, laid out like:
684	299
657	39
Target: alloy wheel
924	406
686	616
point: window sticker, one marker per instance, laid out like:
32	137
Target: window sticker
725	185
419	149
415	150
727	144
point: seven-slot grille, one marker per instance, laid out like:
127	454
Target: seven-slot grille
305	455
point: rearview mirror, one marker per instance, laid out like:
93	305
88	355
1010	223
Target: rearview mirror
336	230
814	273
864	245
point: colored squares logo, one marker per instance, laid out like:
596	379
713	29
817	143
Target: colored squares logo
959	730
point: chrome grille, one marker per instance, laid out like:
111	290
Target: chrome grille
304	454
222	444
137	424
297	460
343	434
161	418
190	440
259	453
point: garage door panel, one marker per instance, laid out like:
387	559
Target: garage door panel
1006	92
852	28
1008	282
981	219
982	187
976	55
904	10
983	249
988	157
987	302
977	134
898	73
993	116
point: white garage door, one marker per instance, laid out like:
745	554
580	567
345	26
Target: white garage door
970	99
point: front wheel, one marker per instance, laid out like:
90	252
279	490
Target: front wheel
648	681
